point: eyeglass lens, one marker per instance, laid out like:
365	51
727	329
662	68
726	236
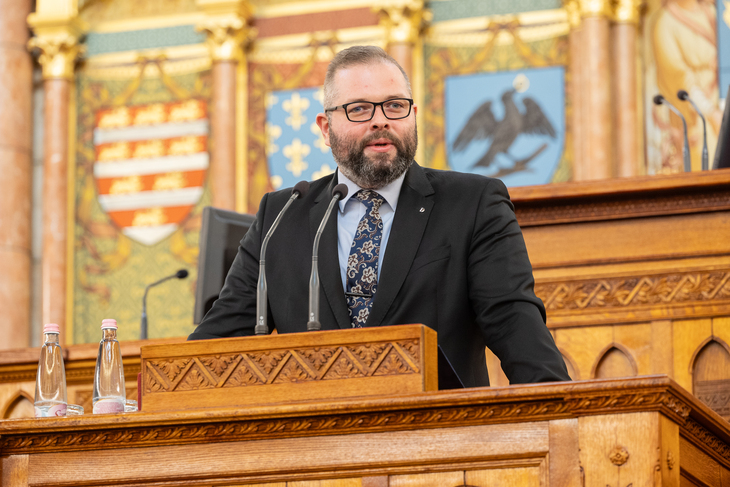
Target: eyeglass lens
393	109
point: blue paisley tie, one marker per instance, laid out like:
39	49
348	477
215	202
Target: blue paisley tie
362	265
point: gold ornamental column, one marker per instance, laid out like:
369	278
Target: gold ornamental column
624	34
576	87
16	168
57	31
226	24
403	22
596	81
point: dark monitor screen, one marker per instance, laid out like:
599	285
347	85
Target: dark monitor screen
220	235
722	153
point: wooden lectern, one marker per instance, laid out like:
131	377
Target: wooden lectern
378	423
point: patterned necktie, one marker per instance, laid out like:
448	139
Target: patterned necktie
362	265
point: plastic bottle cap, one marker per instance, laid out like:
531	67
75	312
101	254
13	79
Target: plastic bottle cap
108	323
51	328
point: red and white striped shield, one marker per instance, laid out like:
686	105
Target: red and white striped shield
150	166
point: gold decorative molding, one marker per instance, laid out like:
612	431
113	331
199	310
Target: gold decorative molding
627	11
595	8
227	26
403	21
572	8
58	41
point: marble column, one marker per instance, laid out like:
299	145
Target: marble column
226	24
16	86
57	42
596	81
576	88
624	34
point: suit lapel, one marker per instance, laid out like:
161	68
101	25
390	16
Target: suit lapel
409	223
329	265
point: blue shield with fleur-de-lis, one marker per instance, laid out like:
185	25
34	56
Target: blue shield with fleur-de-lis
509	124
295	148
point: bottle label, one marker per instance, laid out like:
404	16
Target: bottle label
107	406
49	412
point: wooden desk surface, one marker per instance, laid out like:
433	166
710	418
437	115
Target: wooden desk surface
541	434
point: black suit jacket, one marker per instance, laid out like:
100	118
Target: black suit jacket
455	261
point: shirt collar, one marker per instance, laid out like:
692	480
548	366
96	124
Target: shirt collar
389	192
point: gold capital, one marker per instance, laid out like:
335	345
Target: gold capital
595	8
403	21
227	25
573	10
57	40
627	11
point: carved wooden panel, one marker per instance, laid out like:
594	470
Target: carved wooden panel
289	368
282	366
620	292
614	363
711	378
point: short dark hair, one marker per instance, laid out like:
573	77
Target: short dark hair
353	56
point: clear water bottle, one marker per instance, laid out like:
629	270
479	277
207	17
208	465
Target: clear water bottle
50	383
109	393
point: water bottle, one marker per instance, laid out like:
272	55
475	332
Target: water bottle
109	393
50	383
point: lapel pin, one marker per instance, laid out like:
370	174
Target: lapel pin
422	209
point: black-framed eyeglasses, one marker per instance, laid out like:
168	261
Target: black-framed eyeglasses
364	111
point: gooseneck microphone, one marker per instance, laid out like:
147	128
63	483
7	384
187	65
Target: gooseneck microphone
181	274
684	96
339	192
262	328
658	100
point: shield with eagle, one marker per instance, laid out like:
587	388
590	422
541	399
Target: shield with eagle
150	167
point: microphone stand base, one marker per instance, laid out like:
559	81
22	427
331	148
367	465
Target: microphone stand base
314	326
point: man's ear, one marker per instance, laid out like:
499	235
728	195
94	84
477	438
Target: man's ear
324	125
415	109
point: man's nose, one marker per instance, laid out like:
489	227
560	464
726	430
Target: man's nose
379	119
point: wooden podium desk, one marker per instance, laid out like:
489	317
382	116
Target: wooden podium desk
644	431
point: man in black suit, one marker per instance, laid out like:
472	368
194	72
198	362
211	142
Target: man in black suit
439	248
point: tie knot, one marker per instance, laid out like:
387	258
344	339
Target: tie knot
369	198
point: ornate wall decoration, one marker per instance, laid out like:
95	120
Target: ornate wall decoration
278	367
510	46
140	184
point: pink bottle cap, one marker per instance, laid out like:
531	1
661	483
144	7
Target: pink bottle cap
108	323
51	328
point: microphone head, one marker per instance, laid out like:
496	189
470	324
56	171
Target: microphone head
658	99
340	189
301	189
682	95
181	274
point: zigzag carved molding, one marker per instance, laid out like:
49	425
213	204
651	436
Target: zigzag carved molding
284	366
625	292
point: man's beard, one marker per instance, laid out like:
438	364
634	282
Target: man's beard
375	171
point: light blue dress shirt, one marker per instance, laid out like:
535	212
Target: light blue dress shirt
351	212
